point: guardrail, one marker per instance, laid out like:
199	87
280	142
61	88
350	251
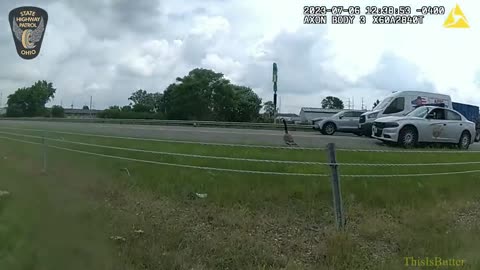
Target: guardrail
251	125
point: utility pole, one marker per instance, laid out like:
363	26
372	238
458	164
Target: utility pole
275	78
353	103
1	99
363	104
348	103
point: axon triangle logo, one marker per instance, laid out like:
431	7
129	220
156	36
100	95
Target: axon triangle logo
28	26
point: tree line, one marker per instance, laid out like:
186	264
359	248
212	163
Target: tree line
30	101
202	95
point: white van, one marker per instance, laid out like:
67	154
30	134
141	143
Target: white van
401	103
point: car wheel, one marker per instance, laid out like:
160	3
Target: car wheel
464	142
408	137
329	129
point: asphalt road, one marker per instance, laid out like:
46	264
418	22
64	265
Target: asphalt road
218	135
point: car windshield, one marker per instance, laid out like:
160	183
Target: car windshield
419	112
383	104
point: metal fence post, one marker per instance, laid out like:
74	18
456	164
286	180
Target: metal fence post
45	147
337	194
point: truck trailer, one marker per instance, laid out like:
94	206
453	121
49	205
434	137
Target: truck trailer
470	112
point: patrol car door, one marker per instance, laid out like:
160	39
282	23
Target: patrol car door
436	126
455	126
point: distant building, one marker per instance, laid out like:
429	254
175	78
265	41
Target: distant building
307	114
80	113
289	117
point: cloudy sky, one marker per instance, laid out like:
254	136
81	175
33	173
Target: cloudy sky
110	48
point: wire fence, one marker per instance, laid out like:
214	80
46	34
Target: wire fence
253	160
247	159
330	151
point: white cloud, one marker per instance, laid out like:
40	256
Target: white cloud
209	26
232	69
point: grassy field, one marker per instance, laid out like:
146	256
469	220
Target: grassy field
65	219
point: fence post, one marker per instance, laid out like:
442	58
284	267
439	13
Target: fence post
337	194
45	147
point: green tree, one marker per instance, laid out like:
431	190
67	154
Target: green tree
146	102
30	101
206	95
58	111
158	104
85	107
269	108
142	101
247	104
141	108
332	103
138	97
15	110
126	109
201	95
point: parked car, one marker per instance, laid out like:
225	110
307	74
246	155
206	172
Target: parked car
399	104
430	124
343	121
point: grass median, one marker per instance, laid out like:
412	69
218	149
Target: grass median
247	220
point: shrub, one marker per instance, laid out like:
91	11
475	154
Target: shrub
58	111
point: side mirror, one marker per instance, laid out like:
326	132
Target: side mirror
340	117
429	116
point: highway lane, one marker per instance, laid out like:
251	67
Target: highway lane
203	134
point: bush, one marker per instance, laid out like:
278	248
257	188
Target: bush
264	118
114	113
46	113
58	111
14	110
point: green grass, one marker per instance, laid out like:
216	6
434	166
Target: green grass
64	219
